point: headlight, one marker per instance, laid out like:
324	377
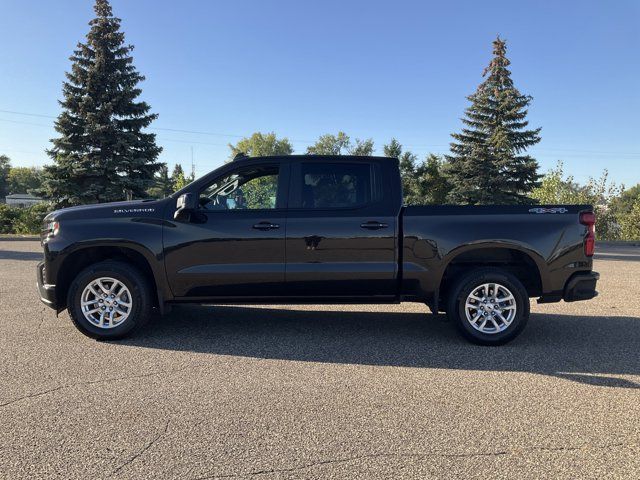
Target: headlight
50	229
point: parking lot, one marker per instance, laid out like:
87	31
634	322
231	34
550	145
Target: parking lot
280	392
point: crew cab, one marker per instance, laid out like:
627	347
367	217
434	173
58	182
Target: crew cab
313	229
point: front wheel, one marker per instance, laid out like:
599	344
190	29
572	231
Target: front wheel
489	306
108	300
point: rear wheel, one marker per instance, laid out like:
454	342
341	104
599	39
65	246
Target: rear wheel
489	306
108	300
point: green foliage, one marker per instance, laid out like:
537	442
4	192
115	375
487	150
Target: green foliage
410	188
163	184
24	179
428	184
340	144
556	188
330	145
630	222
362	148
625	202
7	218
23	221
178	179
261	192
261	144
487	164
433	181
407	160
102	152
393	149
5	167
424	183
29	220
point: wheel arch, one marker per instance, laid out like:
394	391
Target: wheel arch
80	258
524	264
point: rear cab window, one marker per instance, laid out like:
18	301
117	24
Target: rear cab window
335	185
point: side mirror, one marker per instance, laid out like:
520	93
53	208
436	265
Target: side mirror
187	203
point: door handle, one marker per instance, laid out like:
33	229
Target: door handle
373	225
266	226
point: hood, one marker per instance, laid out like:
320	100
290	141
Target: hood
133	208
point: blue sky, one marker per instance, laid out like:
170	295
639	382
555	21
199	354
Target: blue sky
373	69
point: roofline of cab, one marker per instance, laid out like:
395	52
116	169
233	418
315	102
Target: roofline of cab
251	160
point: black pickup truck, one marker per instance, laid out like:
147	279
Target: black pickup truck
313	229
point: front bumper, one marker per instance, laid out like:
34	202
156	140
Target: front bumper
581	286
46	291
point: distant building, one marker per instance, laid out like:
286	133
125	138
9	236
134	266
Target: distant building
22	200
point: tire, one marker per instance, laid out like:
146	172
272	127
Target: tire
495	324
130	287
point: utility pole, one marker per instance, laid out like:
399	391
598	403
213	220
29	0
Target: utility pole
193	166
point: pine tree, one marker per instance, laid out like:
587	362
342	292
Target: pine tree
393	149
164	185
488	163
423	183
407	162
433	183
102	153
178	179
5	168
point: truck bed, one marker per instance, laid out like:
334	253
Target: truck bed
546	239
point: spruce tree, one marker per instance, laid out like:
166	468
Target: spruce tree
433	181
178	178
393	149
163	186
423	183
5	168
103	153
488	163
407	163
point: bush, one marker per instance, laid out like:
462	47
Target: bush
7	218
630	223
29	220
23	221
556	188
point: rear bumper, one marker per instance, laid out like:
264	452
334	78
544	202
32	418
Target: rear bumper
581	286
46	291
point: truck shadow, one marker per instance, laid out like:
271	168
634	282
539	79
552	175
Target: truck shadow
620	257
19	255
588	350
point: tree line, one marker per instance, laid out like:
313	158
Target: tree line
104	152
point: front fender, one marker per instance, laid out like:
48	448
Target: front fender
142	236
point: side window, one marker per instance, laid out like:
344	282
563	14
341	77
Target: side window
249	188
338	185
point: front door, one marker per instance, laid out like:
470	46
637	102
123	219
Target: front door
340	231
234	244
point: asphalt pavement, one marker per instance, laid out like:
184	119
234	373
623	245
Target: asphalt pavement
338	392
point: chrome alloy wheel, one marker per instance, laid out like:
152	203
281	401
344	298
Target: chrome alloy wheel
106	302
490	308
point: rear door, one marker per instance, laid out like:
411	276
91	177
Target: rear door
341	233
